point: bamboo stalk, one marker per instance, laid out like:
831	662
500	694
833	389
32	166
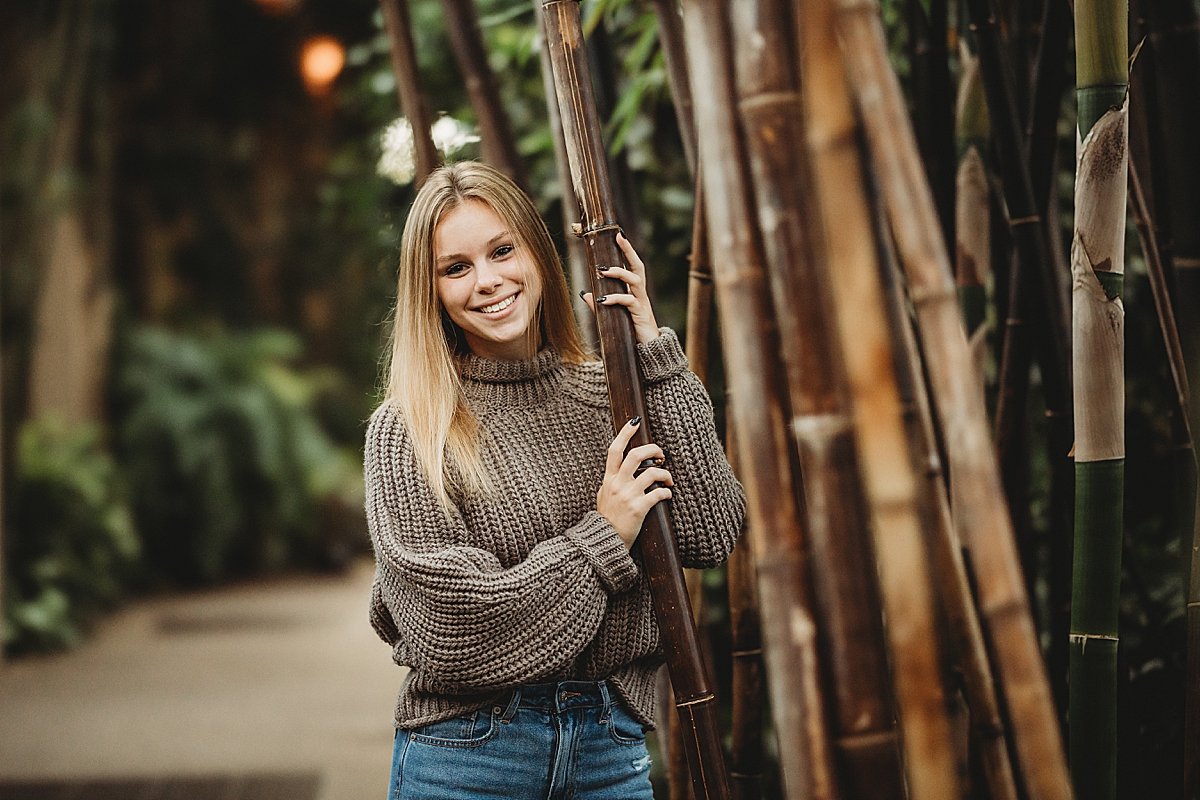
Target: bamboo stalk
769	103
670	34
408	84
576	256
977	499
759	414
466	40
888	479
1097	269
973	249
694	699
933	104
700	294
746	646
986	723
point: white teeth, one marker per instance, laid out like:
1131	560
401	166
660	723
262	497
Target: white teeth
503	304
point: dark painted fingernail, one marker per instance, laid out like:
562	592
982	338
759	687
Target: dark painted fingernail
637	420
603	269
601	298
581	294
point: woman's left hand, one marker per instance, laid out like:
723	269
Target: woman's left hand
636	300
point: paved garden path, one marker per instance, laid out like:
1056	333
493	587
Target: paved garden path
272	689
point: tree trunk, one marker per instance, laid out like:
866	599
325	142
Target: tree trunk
408	85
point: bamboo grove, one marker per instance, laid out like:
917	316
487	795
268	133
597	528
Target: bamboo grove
922	342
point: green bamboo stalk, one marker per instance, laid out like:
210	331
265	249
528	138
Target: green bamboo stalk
1097	268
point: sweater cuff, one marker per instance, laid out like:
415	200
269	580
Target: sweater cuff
602	547
661	357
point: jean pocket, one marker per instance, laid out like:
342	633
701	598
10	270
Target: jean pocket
468	730
623	728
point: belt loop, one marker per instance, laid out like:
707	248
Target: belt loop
510	710
604	696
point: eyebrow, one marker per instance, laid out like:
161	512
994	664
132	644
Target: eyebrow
455	256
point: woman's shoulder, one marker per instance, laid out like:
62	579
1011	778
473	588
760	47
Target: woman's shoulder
386	425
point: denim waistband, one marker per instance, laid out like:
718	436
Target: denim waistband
561	696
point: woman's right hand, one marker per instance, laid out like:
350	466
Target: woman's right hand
623	498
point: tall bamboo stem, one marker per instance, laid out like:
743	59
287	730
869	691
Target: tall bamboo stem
933	105
408	84
466	40
760	414
987	733
888	478
670	34
769	104
1097	268
977	498
577	269
694	698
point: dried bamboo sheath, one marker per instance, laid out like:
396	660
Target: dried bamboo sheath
759	414
979	510
694	697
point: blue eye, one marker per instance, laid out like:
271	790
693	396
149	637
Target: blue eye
455	269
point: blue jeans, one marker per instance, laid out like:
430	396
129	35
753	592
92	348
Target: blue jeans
550	741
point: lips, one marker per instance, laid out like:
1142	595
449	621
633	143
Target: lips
499	306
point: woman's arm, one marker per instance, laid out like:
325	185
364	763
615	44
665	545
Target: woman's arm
463	619
709	505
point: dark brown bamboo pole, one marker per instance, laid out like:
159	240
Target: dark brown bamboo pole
933	104
408	84
577	268
862	723
700	294
670	34
759	414
987	734
889	481
977	500
495	132
694	698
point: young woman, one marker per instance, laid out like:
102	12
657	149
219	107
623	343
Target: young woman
502	510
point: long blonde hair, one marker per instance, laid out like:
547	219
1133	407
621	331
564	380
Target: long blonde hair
423	374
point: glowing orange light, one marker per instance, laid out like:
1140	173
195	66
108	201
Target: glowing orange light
321	62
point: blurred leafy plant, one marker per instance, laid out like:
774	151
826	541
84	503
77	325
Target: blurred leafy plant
218	437
70	545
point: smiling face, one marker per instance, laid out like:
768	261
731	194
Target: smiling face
488	282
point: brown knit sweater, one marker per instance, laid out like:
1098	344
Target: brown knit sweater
531	584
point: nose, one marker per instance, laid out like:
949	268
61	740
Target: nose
487	277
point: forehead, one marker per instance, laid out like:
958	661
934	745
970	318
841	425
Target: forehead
469	225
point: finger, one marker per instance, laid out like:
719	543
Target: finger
616	451
586	297
630	278
656	496
635	457
631	256
626	300
651	476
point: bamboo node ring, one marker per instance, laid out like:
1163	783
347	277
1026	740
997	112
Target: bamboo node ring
1032	218
700	275
1082	639
599	229
753	651
1182	262
708	698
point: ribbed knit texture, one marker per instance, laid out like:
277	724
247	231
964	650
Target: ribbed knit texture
531	584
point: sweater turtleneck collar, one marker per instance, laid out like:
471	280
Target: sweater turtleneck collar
511	382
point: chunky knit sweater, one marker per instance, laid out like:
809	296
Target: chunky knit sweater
531	584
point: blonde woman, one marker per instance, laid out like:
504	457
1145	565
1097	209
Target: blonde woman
503	511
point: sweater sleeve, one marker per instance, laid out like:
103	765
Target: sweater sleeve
452	610
708	504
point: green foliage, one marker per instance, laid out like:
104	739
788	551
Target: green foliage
69	543
217	433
